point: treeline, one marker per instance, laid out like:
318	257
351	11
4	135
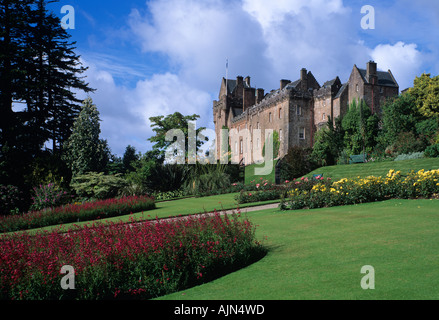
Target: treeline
407	127
407	124
40	74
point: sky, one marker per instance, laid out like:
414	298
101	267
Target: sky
157	57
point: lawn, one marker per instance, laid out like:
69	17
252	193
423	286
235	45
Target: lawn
318	254
250	173
178	207
375	168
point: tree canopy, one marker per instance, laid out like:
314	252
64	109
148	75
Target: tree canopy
162	125
40	75
85	151
425	91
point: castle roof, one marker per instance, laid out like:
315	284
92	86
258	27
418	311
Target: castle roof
385	78
231	85
342	89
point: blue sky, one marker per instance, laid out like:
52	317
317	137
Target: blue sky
149	58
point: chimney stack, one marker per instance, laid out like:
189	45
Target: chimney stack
249	98
260	94
304	79
239	86
371	74
303	74
283	83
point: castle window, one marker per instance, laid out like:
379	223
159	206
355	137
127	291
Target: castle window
357	88
298	110
280	113
302	133
324	117
257	126
241	146
269	117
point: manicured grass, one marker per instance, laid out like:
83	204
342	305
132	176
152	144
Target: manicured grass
375	168
318	254
250	173
179	207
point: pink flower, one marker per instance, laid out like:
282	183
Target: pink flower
258	185
286	181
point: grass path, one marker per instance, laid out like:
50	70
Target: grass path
166	209
318	254
375	168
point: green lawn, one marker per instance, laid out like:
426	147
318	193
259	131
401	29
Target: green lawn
318	254
375	168
250	174
179	207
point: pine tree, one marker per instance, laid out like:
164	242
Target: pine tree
39	71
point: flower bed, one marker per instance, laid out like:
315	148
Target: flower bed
76	212
142	260
352	191
264	191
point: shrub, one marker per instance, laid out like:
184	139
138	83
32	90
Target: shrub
428	128
48	196
95	185
138	260
407	142
257	196
10	199
410	156
159	196
264	190
297	163
207	179
432	151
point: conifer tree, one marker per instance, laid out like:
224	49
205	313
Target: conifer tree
39	73
84	150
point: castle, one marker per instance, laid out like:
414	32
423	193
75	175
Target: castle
296	110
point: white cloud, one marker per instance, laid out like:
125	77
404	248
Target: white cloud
198	36
404	60
125	112
268	41
276	11
317	35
